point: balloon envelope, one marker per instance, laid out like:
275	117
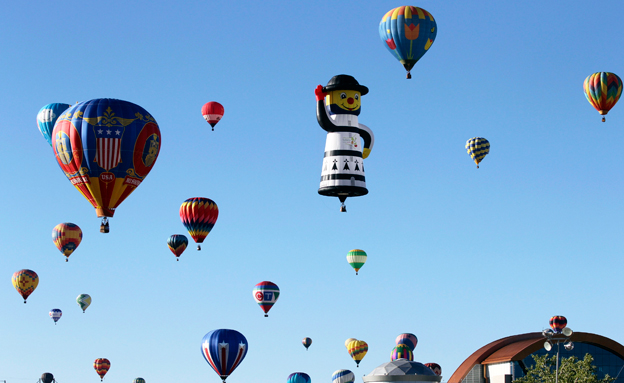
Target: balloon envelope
106	148
435	368
408	339
56	314
266	293
298	377
224	350
343	376
306	342
407	32
199	215
46	118
212	112
66	236
603	90
402	351
478	148
349	341
558	323
357	259
101	366
25	282
83	300
177	244
357	349
47	377
138	380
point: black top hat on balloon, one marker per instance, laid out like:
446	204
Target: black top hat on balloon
345	82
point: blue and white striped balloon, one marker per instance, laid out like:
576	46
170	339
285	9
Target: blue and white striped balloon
343	376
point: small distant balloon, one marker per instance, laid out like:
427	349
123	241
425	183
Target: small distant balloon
357	259
603	90
199	216
177	244
558	323
47	377
266	293
83	300
306	342
357	349
224	350
343	376
56	314
138	380
349	341
435	368
408	339
478	148
402	351
25	282
101	365
46	118
66	236
212	112
298	377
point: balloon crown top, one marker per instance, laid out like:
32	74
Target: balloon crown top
345	82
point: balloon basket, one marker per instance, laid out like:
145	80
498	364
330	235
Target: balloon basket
198	247
104	228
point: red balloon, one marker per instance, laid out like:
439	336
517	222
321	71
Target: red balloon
212	112
101	366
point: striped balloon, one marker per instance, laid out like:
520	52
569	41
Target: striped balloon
558	323
357	259
224	350
402	351
199	215
477	147
408	339
25	282
101	365
357	349
66	236
177	244
307	342
349	341
435	368
56	314
603	90
343	376
298	377
266	294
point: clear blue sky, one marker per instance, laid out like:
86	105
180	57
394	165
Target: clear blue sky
458	256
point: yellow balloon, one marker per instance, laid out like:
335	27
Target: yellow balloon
357	349
25	282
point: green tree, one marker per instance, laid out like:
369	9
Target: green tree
571	370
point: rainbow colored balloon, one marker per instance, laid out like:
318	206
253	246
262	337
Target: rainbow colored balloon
25	282
66	236
408	32
199	216
478	148
101	365
177	244
106	148
357	349
224	350
266	293
298	377
357	259
603	90
408	339
558	323
402	351
343	376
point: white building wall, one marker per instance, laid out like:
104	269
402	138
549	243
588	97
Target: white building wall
496	372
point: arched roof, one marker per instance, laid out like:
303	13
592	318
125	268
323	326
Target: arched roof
518	347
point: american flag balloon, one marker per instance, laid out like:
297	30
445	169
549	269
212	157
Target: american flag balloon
224	350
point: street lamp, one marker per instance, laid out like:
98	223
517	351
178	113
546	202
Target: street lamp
558	333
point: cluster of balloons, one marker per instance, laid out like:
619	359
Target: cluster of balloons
405	345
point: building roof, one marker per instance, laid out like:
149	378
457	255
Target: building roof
518	347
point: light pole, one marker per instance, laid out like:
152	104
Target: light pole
558	333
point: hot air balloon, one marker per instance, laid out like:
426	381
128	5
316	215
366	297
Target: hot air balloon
343	376
46	118
199	215
558	323
603	90
408	32
177	244
435	368
402	351
266	294
224	350
25	282
212	112
66	236
357	349
101	366
477	147
84	300
138	380
298	377
408	339
47	377
56	314
307	342
106	148
349	341
357	259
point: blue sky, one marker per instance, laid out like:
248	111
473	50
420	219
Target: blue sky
458	256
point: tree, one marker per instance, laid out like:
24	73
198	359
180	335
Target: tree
571	370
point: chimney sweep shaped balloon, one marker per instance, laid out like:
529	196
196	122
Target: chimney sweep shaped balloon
337	110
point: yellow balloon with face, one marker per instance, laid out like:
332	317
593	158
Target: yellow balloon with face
343	101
